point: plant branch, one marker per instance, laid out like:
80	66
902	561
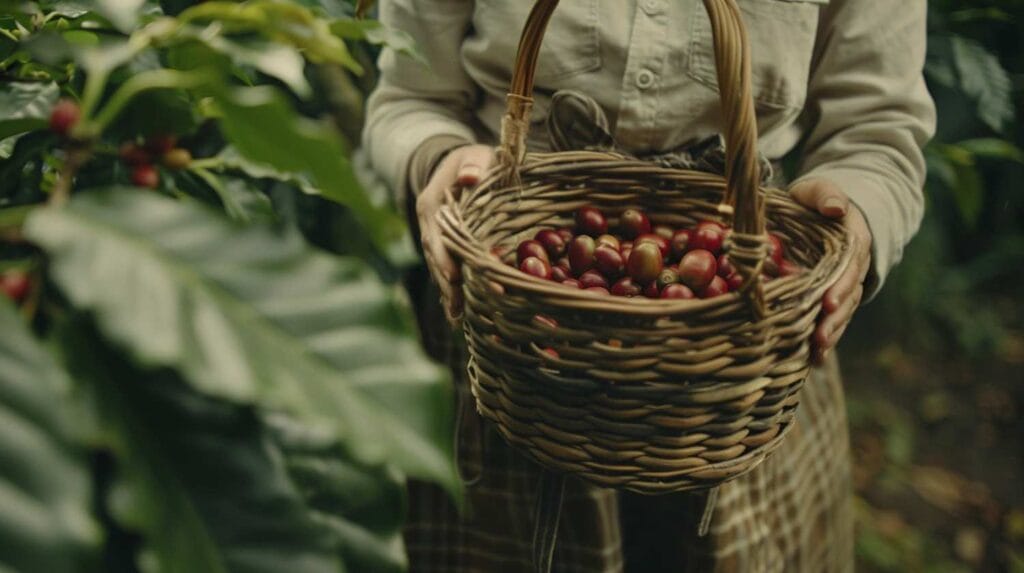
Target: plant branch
76	157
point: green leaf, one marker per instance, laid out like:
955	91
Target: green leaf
230	159
25	106
241	200
264	128
123	14
255	316
45	490
375	32
197	476
985	81
993	148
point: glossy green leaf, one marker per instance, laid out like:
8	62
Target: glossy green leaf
196	476
255	316
45	524
264	128
985	81
123	14
25	106
375	32
993	148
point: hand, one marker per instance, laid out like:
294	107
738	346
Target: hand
462	167
842	298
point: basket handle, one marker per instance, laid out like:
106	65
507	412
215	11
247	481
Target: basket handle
741	202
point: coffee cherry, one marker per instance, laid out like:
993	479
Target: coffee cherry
132	155
572	283
716	287
658	240
645	263
708	236
551	353
592	278
64	116
536	267
145	175
664	231
176	158
775	248
634	223
566	234
552	242
161	143
609	261
590	221
667	277
735	281
697	269
531	248
725	268
598	290
559	274
610	240
677	290
680	242
15	285
625	287
652	290
581	254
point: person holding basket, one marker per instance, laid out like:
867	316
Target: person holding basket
837	84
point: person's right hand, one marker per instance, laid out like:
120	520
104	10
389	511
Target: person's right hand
462	167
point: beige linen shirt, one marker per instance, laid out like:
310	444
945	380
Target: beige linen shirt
842	77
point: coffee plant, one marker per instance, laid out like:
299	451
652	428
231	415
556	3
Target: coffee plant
206	362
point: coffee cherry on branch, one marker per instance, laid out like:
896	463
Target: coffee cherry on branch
132	154
145	176
160	144
176	158
64	116
15	285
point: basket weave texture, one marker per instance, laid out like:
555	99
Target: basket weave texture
649	395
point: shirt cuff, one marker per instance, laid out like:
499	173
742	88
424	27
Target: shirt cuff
874	200
426	157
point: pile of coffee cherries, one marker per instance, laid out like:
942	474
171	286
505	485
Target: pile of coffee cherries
655	261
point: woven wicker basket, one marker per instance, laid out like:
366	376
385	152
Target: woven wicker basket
649	395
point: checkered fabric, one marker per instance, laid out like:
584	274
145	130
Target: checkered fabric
792	514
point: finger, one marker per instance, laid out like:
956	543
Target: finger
851	278
824	335
474	161
823	196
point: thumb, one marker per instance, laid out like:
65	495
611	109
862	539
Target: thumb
474	161
823	196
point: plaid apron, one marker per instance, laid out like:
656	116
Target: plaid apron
792	514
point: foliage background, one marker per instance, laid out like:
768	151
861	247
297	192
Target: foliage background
932	366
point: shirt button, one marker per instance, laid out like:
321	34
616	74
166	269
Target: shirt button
651	7
645	79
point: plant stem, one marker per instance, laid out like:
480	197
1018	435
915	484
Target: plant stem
151	80
62	188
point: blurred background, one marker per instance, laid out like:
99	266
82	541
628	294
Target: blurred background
934	367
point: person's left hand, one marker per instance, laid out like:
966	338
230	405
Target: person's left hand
842	298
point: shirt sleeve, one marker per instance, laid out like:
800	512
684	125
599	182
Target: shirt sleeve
414	102
871	114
